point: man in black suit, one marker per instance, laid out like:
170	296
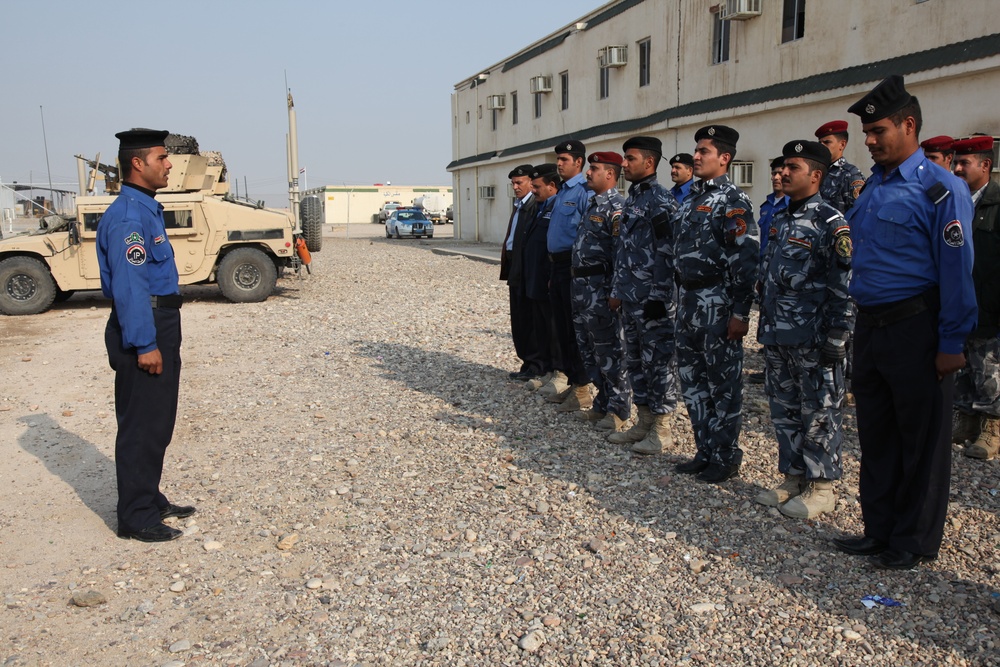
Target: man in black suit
535	272
512	270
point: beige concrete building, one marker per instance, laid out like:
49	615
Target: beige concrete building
357	203
773	69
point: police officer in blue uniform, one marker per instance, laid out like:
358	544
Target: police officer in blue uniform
912	282
682	174
143	334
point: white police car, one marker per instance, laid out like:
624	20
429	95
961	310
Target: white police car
408	222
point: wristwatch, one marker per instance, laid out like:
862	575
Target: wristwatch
741	318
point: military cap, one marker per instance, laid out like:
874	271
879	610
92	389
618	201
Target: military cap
809	150
833	127
726	135
885	99
778	162
521	170
683	158
547	169
140	137
651	144
939	144
605	157
978	144
573	147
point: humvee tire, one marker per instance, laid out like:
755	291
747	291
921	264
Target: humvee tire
311	212
26	286
246	275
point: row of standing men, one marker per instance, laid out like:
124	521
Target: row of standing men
639	294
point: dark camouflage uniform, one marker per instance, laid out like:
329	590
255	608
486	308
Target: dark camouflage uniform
716	255
841	185
805	275
643	273
598	328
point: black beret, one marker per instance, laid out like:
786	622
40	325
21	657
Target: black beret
547	169
726	135
809	150
683	158
884	100
651	144
573	147
141	137
778	162
521	170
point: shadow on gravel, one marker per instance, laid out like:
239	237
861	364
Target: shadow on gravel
75	461
705	518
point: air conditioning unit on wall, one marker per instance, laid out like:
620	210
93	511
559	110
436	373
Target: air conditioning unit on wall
540	84
613	56
739	10
741	174
496	102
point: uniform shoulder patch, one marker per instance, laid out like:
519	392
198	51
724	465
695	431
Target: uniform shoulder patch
843	229
802	243
842	244
133	238
159	239
733	212
616	221
597	218
135	254
705	209
953	234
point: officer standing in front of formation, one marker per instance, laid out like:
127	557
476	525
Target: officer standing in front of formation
643	291
939	150
803	325
912	281
569	382
143	334
843	181
977	386
682	174
544	185
598	327
522	329
716	254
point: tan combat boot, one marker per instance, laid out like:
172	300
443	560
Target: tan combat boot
611	422
987	444
579	398
591	416
534	384
818	497
557	384
657	439
966	427
791	487
638	431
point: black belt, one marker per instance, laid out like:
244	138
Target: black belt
698	283
585	271
564	256
166	301
890	313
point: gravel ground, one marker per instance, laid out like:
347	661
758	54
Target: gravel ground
373	491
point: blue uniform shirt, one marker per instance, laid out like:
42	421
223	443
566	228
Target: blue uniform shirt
570	204
136	262
770	208
681	191
906	244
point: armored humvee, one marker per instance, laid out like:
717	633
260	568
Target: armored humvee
240	245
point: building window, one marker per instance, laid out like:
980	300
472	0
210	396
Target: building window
564	90
793	20
538	105
513	107
605	82
480	112
466	117
495	112
644	58
720	40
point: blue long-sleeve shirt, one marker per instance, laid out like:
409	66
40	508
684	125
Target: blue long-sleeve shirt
771	207
912	231
136	262
570	204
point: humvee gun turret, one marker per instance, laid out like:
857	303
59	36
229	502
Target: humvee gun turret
217	238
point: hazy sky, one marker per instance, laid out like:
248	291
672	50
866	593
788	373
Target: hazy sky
371	81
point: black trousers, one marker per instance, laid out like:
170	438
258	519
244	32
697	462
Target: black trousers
530	339
569	361
146	407
904	425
